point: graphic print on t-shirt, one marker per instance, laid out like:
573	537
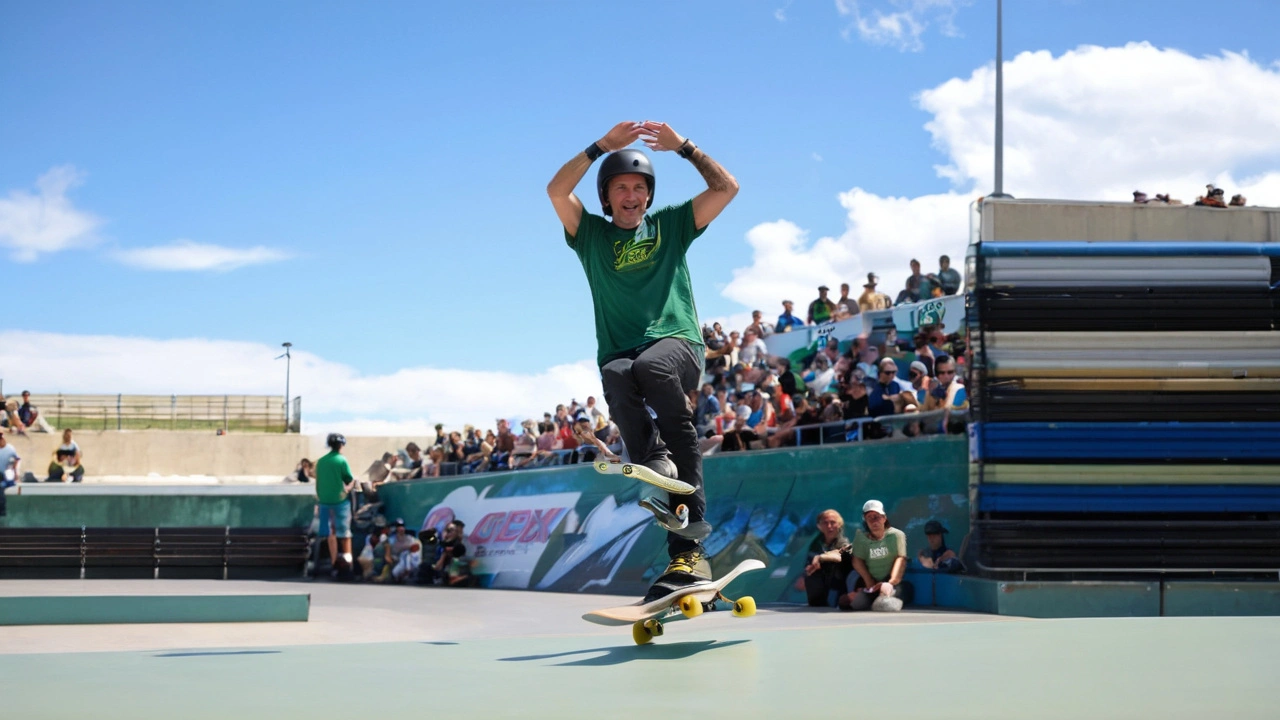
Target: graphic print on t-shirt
638	252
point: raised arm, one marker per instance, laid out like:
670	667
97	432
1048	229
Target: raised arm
721	186
560	189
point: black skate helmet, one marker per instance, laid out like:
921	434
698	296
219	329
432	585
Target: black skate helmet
335	441
621	163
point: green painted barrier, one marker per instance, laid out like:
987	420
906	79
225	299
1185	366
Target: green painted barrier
156	510
571	529
102	609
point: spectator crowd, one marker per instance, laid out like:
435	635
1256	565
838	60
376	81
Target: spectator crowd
748	399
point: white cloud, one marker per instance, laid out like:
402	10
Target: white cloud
46	222
333	395
187	255
899	23
1092	124
816	157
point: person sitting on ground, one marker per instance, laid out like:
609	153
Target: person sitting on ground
879	563
30	415
451	564
406	567
304	472
830	555
938	556
372	558
396	545
66	465
787	321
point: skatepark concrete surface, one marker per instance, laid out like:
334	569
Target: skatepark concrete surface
440	652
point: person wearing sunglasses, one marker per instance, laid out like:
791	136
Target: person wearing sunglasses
885	388
947	393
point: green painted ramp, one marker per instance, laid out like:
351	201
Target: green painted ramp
116	609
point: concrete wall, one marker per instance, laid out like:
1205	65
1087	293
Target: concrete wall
1031	220
163	452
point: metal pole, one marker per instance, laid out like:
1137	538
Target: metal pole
999	188
288	362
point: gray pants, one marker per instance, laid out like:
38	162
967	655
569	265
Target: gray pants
660	376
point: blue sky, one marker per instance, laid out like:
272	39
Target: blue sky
378	170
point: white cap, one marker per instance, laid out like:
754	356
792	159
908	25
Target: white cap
873	506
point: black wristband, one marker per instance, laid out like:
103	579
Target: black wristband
686	149
593	152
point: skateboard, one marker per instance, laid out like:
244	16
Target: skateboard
644	474
647	619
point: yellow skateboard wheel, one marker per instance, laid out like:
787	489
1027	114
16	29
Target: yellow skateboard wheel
690	606
745	607
640	633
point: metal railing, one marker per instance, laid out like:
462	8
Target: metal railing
238	413
855	428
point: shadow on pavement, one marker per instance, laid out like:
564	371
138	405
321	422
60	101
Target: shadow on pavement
628	653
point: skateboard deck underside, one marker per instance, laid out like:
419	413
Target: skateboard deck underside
644	474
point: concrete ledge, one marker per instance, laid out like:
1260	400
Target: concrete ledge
1037	599
1079	599
1219	598
113	609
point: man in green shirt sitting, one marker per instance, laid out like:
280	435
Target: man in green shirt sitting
650	347
333	488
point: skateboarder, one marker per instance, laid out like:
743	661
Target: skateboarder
649	344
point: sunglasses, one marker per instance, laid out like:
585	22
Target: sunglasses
886	370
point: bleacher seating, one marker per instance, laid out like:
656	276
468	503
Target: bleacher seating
1127	399
193	552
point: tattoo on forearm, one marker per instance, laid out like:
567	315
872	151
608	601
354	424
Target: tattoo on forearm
718	179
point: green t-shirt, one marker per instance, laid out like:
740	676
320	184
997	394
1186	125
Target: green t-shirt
332	473
880	554
639	280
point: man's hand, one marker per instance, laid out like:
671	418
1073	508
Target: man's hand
622	135
659	136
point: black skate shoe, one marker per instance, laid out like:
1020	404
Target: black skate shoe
687	568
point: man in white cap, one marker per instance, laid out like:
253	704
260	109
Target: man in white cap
879	563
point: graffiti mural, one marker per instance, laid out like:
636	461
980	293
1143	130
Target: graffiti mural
572	530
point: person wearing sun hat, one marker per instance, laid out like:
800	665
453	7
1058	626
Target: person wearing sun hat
938	556
879	564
